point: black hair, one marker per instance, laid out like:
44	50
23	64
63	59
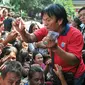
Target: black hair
17	44
12	66
4	34
23	54
31	27
56	10
78	22
35	53
34	69
7	50
83	8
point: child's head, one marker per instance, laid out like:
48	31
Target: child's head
33	27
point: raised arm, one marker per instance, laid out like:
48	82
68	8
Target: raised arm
19	25
11	36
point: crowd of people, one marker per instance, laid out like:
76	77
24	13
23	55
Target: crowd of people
51	55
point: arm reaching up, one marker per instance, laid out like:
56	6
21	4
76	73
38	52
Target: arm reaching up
19	25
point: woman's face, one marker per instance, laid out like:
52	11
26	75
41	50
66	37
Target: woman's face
35	27
82	16
38	59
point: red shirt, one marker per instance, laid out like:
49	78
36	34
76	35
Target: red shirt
71	41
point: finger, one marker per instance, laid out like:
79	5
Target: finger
56	65
22	21
60	68
55	71
3	66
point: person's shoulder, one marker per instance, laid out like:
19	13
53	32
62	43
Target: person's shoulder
75	30
74	33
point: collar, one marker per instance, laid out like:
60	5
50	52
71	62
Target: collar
65	30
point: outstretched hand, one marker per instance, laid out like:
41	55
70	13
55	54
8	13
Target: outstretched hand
11	36
19	25
58	71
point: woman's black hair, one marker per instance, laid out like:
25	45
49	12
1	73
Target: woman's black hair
31	27
35	53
